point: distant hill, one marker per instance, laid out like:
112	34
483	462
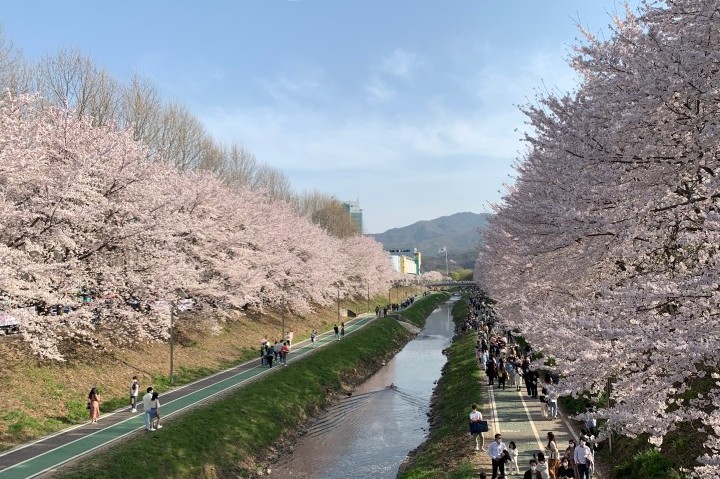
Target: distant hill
459	232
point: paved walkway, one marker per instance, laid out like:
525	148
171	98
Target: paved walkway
519	418
47	454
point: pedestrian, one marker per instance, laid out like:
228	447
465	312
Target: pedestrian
147	405
531	379
491	371
337	332
342	330
542	466
284	352
313	335
476	417
502	377
532	473
543	402
495	451
263	353
270	355
510	372
518	376
565	471
512	448
134	388
570	456
155	412
94	405
554	455
552	401
583	458
277	348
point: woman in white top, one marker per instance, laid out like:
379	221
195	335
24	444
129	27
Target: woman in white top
476	416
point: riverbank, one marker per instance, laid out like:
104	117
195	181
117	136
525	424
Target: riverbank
447	453
243	433
48	396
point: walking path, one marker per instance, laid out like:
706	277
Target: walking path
47	454
519	418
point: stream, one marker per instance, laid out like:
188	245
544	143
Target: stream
370	433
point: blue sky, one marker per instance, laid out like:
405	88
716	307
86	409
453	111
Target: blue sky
409	106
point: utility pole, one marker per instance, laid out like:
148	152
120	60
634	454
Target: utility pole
338	302
172	338
368	296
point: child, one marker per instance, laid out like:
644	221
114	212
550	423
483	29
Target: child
512	448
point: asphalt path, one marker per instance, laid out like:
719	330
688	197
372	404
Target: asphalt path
519	418
49	453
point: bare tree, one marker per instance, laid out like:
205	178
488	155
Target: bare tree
182	137
335	219
70	79
14	73
141	110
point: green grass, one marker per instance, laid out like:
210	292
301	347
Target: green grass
422	307
228	434
440	456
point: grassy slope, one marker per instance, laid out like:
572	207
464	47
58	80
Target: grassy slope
49	396
224	438
443	455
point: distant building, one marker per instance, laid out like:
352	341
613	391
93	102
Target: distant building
353	208
406	261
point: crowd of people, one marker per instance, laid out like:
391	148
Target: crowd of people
507	365
277	352
393	307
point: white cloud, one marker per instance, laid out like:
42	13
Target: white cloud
399	66
401	63
290	87
355	146
379	90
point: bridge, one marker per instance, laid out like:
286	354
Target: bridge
459	284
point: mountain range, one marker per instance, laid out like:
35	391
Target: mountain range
458	232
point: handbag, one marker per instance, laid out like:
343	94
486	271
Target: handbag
478	427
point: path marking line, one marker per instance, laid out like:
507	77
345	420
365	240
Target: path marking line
541	447
493	408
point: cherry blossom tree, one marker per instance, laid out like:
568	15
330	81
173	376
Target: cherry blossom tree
604	251
87	211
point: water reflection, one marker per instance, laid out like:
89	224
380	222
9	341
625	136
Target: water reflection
370	433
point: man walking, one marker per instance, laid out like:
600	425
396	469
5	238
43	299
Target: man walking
147	405
583	458
337	332
495	451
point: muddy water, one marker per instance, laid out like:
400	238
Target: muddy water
368	434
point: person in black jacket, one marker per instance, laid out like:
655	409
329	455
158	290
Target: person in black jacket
531	379
532	473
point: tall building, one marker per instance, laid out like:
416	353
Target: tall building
353	208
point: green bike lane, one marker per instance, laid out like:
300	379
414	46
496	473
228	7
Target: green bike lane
51	452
